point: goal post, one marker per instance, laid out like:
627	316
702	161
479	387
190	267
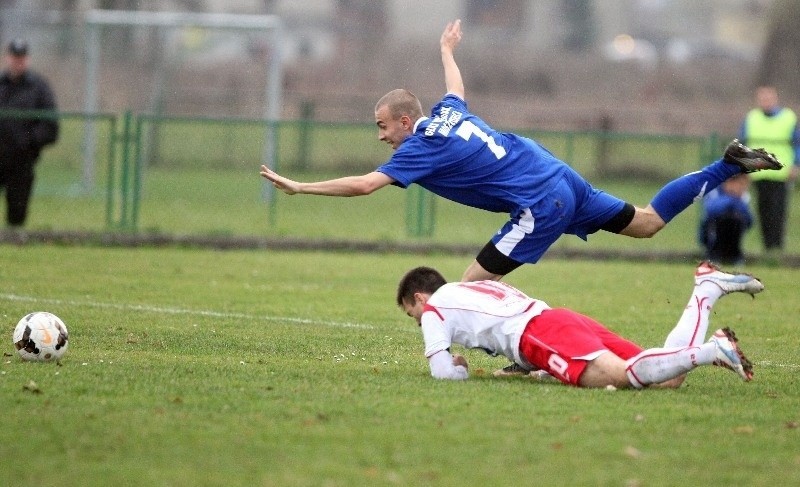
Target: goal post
268	28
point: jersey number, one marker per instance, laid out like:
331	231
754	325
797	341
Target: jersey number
468	129
558	365
497	290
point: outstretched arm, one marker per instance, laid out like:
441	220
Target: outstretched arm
448	42
347	186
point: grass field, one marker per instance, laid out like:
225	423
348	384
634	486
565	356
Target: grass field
196	367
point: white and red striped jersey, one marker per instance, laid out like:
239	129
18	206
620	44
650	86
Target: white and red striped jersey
488	315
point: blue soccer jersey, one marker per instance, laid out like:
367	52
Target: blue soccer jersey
457	156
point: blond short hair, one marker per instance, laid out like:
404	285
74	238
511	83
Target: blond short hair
401	102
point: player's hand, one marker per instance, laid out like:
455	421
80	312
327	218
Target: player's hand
284	184
460	360
451	35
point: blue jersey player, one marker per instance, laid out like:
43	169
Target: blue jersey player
456	155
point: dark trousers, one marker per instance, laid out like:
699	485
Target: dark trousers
772	201
16	181
722	238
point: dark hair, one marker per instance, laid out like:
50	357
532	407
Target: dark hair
18	47
418	280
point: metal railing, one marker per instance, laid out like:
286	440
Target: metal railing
162	173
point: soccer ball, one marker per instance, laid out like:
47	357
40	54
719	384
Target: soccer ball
41	336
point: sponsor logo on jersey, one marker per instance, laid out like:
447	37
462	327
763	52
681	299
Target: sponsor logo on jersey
443	122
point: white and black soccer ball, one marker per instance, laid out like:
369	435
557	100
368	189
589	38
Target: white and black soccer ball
41	336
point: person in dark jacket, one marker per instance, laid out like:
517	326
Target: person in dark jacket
22	138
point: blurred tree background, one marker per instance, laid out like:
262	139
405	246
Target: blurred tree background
781	56
656	66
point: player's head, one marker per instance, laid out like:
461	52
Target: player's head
415	287
767	98
17	57
737	184
395	114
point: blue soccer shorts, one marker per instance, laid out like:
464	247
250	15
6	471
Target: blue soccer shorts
573	207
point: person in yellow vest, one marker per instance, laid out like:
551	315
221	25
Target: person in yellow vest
774	128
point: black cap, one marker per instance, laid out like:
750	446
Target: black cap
18	47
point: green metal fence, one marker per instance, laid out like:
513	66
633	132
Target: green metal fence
199	175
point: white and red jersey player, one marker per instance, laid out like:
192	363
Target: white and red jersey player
502	320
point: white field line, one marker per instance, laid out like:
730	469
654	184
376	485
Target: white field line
767	363
222	314
182	311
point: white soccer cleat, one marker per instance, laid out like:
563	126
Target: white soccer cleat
729	355
728	282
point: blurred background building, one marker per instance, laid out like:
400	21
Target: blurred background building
657	66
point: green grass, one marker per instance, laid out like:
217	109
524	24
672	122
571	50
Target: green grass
196	367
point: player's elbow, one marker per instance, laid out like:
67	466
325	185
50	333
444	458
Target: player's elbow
365	187
368	184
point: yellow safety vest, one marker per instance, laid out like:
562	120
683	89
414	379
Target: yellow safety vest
774	134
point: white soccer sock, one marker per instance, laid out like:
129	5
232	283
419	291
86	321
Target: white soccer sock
656	365
693	324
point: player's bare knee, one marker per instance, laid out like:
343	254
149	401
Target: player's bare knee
651	227
635	222
605	370
645	224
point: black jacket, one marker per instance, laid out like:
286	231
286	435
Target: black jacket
30	92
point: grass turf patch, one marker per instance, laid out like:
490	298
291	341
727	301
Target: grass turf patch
197	367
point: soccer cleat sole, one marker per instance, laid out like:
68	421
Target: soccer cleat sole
745	367
750	160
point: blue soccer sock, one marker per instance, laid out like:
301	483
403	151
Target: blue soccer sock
679	193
